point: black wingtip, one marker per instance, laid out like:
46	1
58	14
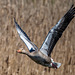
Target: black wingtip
14	20
72	5
71	12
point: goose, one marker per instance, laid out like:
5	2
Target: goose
42	55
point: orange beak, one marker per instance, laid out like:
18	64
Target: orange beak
19	51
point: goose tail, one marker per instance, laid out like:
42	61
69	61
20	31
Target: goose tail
56	65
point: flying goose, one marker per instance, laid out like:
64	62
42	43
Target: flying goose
43	55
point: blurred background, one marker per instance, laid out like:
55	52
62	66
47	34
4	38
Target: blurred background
36	18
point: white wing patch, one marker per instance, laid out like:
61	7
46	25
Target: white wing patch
25	40
32	47
45	46
28	44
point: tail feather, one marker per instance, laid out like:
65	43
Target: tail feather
58	65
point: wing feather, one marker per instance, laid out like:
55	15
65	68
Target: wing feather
25	38
56	32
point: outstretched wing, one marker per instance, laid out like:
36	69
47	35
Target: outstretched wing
56	32
32	47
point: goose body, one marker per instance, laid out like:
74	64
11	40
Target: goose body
43	55
40	58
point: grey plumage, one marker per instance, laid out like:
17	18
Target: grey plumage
43	55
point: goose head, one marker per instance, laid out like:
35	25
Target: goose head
21	50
